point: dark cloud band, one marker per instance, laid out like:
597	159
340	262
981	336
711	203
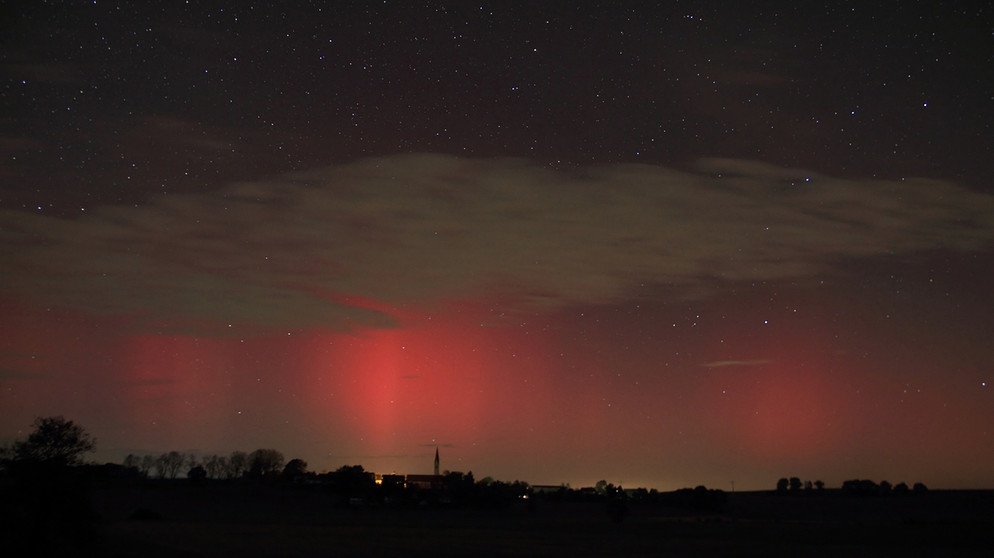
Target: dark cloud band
421	228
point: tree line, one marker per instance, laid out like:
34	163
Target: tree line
858	487
259	463
57	443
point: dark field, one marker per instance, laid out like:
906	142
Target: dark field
177	520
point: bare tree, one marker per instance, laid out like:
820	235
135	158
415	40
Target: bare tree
132	461
224	466
237	463
175	461
190	461
147	463
263	462
161	466
169	464
213	465
6	454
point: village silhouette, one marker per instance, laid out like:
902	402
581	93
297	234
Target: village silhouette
260	504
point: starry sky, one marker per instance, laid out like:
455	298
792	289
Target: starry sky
662	244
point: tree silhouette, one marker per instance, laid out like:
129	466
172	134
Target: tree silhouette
264	462
6	453
190	461
294	469
48	511
861	487
55	442
132	461
160	466
169	464
213	465
236	464
459	487
352	481
197	474
147	463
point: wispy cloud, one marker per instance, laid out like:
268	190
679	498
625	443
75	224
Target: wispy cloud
23	366
727	363
416	229
11	374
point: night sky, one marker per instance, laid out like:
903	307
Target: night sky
695	243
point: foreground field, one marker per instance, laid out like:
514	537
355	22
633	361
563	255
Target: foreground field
218	523
563	538
179	521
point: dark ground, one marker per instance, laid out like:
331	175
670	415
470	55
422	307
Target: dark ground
177	520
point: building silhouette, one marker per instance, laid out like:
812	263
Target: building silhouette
427	482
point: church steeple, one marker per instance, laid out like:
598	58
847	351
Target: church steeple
436	461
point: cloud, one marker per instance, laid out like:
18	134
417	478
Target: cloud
297	250
12	374
15	366
726	363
